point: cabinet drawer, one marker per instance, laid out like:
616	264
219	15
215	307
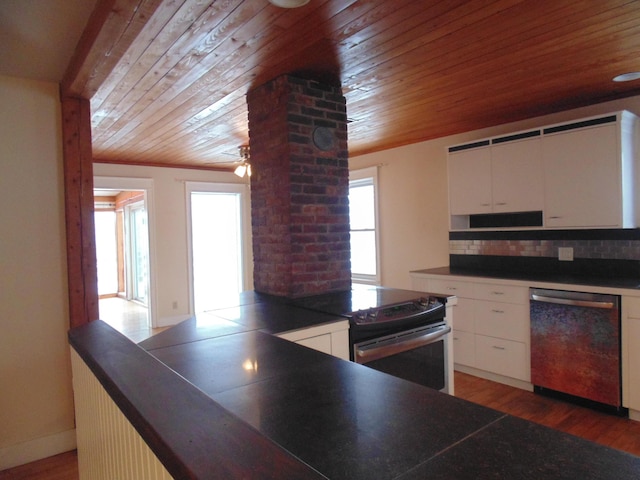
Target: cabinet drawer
504	357
451	287
502	320
464	348
502	293
463	315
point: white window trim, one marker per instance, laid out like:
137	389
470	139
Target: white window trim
366	176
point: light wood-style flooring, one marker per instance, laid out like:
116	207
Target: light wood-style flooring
129	318
620	433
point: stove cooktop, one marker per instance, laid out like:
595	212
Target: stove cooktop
359	298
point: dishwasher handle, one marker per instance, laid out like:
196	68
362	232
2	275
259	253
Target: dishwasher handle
574	302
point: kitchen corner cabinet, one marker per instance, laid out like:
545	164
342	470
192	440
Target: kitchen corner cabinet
631	355
490	327
588	174
331	338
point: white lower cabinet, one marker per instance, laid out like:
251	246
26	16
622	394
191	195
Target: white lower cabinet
331	338
503	357
464	348
631	355
490	325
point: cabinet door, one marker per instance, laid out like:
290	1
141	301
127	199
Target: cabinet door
517	179
322	343
631	353
582	178
464	348
634	364
470	181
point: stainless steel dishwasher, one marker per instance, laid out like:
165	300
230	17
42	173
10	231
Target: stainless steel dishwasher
575	346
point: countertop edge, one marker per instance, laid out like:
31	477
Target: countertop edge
174	432
559	283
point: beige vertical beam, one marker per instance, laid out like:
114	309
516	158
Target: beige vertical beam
78	182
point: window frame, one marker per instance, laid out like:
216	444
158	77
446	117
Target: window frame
363	177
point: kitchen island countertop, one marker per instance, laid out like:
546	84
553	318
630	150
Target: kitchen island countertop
303	414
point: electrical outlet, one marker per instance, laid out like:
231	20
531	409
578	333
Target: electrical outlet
565	254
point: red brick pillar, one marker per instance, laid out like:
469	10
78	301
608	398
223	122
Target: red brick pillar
299	188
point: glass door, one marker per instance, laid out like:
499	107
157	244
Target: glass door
139	252
216	248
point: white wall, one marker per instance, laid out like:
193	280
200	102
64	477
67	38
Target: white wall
36	406
413	193
169	223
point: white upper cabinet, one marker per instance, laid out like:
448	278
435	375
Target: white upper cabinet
585	172
470	181
581	174
516	171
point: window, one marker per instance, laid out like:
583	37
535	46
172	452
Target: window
363	214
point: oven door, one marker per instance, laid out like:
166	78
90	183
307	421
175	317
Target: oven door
418	355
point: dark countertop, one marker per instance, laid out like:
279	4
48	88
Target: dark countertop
532	277
298	413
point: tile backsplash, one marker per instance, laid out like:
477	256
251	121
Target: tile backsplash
618	249
620	244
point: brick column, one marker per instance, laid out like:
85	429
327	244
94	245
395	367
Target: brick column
299	188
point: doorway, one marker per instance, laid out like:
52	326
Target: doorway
216	216
123	255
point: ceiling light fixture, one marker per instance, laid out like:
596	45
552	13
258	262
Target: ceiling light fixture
289	3
244	167
627	77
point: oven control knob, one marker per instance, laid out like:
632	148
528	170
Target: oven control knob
372	315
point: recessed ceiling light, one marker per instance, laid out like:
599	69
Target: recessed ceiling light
289	3
627	77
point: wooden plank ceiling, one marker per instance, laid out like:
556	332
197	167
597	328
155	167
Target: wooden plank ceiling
167	79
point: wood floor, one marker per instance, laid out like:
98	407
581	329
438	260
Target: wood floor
620	433
59	467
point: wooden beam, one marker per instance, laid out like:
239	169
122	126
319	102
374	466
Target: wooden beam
112	28
78	186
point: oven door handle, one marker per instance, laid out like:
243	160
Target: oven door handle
367	352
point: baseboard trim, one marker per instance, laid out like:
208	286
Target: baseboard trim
37	449
171	321
512	382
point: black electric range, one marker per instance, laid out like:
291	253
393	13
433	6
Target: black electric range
375	310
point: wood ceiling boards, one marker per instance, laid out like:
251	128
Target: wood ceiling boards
167	79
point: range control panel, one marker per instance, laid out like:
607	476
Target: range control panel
398	312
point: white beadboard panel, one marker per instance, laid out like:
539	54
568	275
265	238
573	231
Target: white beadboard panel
108	445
